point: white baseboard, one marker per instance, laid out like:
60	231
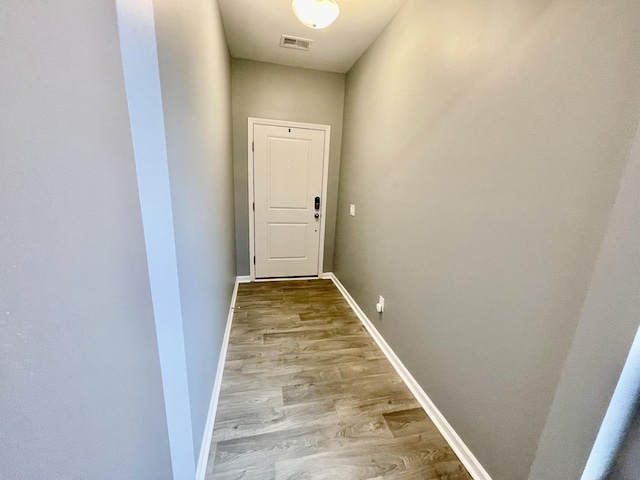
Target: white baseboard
215	394
284	279
247	278
476	470
327	276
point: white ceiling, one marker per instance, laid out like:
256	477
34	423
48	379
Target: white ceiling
254	27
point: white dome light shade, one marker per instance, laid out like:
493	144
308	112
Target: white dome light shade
316	13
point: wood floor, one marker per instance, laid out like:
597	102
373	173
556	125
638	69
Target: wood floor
307	394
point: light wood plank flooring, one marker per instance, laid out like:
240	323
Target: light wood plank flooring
307	394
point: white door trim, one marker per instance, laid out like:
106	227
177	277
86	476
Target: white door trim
251	121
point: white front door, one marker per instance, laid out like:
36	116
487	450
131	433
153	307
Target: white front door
288	171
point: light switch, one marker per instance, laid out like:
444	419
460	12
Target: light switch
352	210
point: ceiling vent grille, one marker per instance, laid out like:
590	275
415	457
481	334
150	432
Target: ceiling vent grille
288	41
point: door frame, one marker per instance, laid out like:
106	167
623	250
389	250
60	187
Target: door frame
251	121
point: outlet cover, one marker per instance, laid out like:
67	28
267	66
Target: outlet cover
380	304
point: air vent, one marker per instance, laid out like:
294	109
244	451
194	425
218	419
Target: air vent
288	41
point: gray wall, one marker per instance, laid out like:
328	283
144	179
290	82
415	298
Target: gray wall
627	464
608	324
81	393
196	95
483	147
277	92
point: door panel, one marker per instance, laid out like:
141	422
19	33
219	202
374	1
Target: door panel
288	172
288	166
288	240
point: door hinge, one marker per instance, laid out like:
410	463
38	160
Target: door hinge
254	259
253	146
254	206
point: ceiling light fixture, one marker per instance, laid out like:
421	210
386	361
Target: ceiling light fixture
316	13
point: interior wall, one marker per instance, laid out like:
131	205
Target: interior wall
483	148
277	92
627	462
594	382
195	76
79	367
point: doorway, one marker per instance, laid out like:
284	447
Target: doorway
288	171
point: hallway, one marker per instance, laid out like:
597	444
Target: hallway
306	393
480	174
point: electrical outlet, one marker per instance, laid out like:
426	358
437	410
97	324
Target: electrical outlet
352	210
380	304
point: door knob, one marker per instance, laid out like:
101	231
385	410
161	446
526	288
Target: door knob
316	215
